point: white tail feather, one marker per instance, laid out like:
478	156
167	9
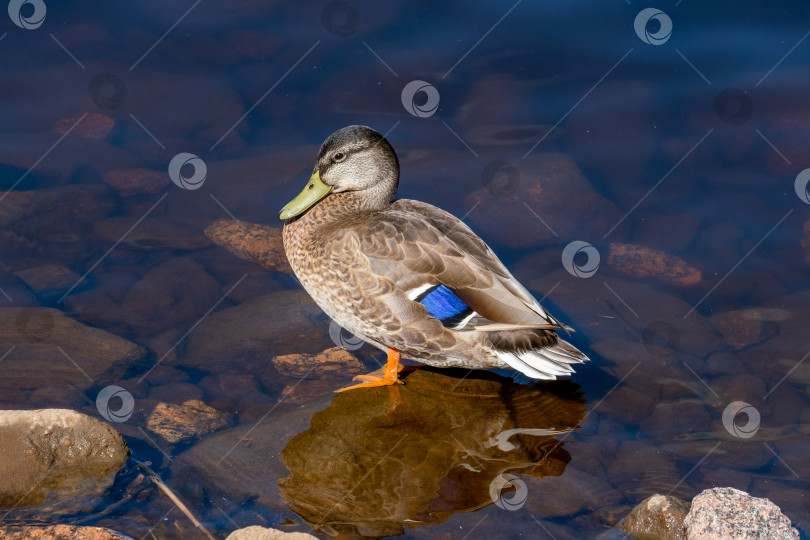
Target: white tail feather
547	363
515	362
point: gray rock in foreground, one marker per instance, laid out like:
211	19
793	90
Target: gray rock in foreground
716	514
48	449
731	514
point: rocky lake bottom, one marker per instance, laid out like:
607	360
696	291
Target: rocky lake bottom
661	217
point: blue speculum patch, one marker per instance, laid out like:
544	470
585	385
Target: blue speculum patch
443	304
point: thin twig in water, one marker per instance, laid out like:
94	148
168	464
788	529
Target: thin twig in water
169	493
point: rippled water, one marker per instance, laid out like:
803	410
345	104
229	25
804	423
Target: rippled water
690	142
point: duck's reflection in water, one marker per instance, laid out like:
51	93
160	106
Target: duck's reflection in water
380	459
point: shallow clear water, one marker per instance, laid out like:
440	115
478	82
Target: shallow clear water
691	145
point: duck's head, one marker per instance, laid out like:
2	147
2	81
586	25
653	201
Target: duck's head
357	161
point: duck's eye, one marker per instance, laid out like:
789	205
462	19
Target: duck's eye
338	157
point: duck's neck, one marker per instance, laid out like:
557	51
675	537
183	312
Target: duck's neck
345	206
335	211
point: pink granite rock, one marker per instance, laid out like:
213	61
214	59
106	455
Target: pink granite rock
731	514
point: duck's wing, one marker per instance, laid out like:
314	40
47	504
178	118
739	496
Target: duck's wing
427	251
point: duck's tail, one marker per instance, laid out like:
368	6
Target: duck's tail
545	362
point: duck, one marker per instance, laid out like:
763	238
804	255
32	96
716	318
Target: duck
408	277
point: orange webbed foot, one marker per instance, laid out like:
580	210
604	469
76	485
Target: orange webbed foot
386	376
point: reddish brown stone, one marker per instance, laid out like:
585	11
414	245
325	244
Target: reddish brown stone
93	126
640	261
129	182
191	419
659	517
49	279
741	328
260	244
334	363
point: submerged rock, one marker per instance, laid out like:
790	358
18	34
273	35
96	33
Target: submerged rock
604	307
73	156
50	449
332	363
94	126
170	294
150	234
128	182
613	133
48	280
659	517
260	244
538	197
80	202
644	262
742	328
286	321
190	420
44	346
729	514
51	224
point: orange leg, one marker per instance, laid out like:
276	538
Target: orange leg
389	374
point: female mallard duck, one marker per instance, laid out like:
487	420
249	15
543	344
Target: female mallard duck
408	277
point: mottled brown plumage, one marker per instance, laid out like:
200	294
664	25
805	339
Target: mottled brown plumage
365	259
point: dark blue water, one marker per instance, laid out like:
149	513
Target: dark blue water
684	135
